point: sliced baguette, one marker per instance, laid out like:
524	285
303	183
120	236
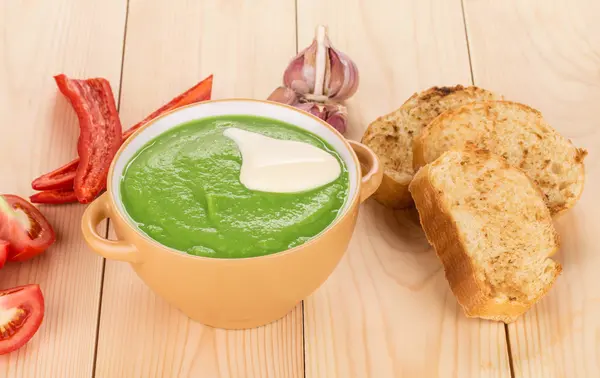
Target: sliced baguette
491	230
391	136
520	135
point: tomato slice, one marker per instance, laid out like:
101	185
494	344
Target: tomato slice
21	314
3	252
24	227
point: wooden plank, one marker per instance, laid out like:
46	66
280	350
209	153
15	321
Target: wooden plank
546	54
170	46
39	39
387	310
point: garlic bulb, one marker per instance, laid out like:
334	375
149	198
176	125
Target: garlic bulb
321	73
317	79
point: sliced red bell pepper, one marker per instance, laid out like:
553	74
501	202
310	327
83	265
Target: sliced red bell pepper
54	197
63	177
198	93
100	132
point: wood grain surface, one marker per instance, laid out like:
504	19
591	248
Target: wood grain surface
170	47
387	310
547	55
38	133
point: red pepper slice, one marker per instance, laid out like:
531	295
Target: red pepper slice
54	196
3	252
198	93
24	227
100	132
63	177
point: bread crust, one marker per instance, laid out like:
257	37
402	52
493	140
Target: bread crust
393	194
425	139
473	294
391	134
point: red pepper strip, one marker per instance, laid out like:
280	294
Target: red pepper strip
63	177
54	196
198	93
100	134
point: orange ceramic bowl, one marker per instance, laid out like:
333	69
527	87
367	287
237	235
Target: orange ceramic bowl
232	293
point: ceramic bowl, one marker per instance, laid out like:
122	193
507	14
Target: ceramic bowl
232	293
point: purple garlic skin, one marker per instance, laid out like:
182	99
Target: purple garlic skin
317	79
334	114
294	77
340	80
284	95
337	116
313	108
344	78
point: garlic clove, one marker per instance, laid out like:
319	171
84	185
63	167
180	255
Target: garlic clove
337	117
315	109
308	71
301	71
336	74
334	114
293	76
284	95
332	107
344	76
338	122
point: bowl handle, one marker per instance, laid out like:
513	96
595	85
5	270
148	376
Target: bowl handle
371	168
115	250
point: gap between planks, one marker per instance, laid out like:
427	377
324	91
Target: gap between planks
467	41
107	228
302	317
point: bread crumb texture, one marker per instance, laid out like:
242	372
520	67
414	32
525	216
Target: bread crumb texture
492	230
391	136
520	135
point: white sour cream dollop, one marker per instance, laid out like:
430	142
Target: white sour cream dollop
283	166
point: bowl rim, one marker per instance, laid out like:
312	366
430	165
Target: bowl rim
115	211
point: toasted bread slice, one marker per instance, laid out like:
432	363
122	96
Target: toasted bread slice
491	229
391	136
520	135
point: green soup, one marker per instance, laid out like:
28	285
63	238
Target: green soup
183	190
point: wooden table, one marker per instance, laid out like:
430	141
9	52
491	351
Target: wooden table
387	310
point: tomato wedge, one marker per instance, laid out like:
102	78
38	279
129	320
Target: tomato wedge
24	227
21	314
3	252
